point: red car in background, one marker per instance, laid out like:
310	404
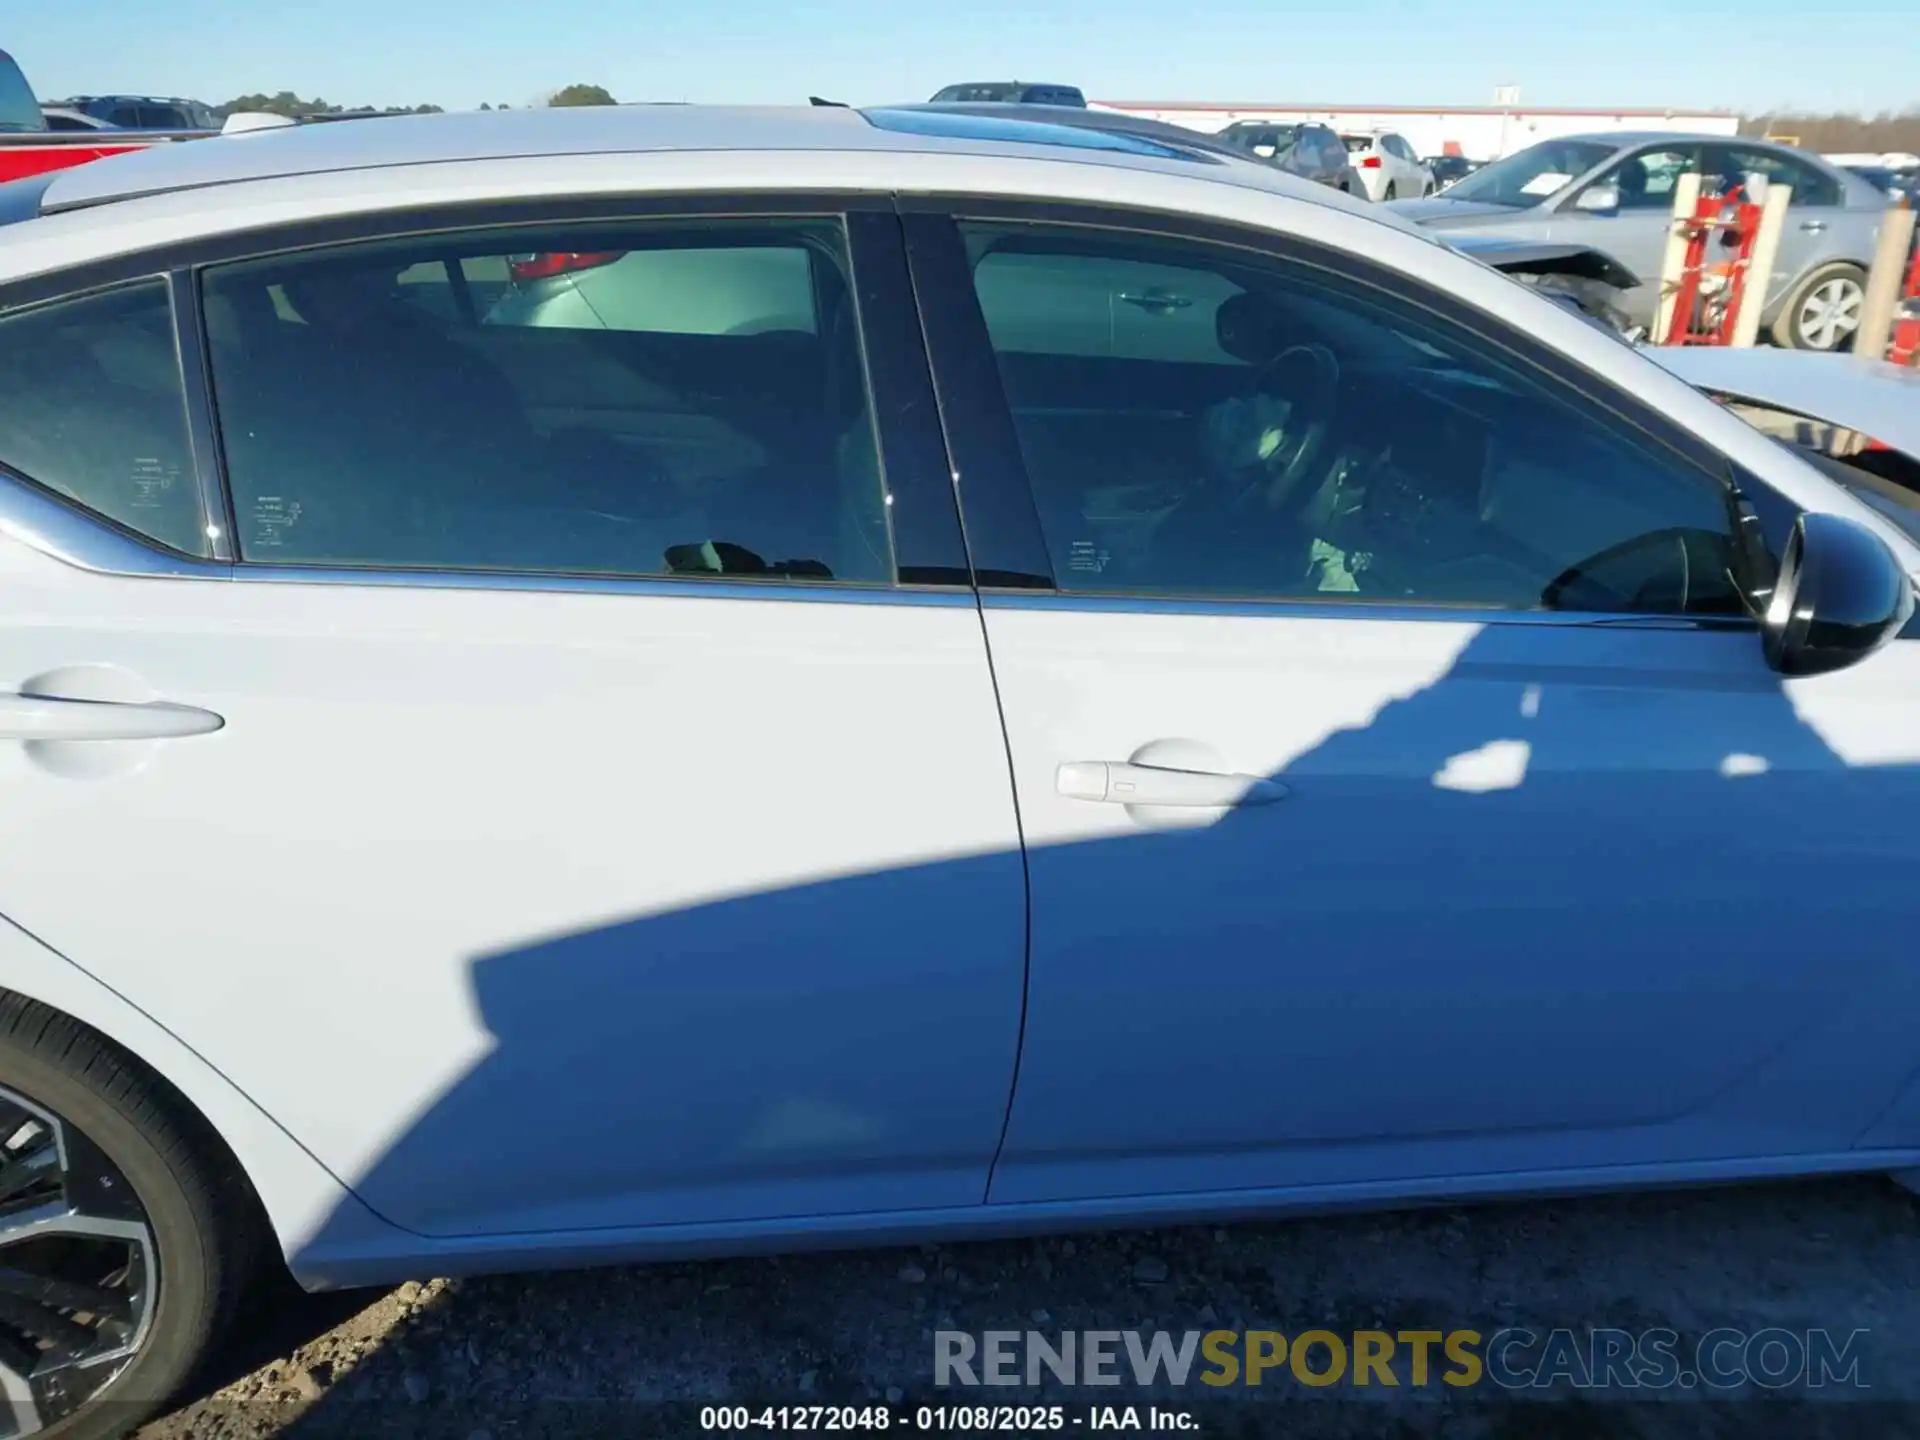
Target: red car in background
28	147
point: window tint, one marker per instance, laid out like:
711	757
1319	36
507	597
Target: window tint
91	407
1810	186
648	398
1331	442
1647	178
1039	300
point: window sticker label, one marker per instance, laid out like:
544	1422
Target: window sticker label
273	516
153	481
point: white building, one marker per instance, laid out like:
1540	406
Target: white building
1484	132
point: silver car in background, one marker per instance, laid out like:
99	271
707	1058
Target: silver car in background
1615	193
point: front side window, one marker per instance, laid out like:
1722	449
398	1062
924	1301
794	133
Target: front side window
671	397
1335	443
92	408
1647	179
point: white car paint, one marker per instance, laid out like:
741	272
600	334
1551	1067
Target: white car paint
1385	171
1872	397
481	748
425	737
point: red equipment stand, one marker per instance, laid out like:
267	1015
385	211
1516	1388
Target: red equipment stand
1720	238
1905	349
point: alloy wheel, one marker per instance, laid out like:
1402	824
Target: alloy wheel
78	1271
1829	313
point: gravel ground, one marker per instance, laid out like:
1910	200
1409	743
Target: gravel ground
597	1352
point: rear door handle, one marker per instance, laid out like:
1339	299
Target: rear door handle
40	717
1123	782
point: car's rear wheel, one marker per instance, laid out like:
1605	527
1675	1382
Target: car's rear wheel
122	1243
1389	193
1824	310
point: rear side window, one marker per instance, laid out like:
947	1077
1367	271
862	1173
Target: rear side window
92	408
666	397
1810	186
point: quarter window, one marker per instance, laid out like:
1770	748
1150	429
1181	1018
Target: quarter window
1329	441
91	408
650	398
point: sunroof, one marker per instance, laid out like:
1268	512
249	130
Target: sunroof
946	125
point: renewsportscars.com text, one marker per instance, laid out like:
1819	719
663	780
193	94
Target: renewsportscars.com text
1512	1358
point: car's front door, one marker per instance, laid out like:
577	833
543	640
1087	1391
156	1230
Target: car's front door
1404	791
1636	233
566	854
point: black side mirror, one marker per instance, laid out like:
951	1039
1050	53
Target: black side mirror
1841	595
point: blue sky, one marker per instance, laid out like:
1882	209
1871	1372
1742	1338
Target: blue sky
457	53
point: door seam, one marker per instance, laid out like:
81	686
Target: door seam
999	710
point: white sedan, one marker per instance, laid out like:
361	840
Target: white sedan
1024	678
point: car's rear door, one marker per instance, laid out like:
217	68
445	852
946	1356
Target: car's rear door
554	820
1819	226
1404	790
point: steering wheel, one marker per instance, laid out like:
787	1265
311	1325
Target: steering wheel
1307	377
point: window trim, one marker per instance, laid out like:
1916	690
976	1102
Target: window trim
1005	535
929	549
57	524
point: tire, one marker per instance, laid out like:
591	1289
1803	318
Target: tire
148	1213
1388	193
1823	312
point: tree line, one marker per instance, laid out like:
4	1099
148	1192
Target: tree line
1839	134
294	108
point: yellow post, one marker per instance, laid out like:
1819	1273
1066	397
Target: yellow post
1686	199
1883	284
1766	247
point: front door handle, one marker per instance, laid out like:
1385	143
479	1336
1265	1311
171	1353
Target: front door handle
1813	227
1126	782
41	717
1156	301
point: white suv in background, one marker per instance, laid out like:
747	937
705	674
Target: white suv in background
1388	166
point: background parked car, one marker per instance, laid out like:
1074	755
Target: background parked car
144	112
64	118
1388	166
31	145
1308	150
1899	184
1446	169
19	111
1615	192
1011	92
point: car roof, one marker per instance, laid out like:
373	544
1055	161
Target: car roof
1117	122
383	142
1620	139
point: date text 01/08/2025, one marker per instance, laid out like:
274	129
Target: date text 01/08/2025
972	1419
